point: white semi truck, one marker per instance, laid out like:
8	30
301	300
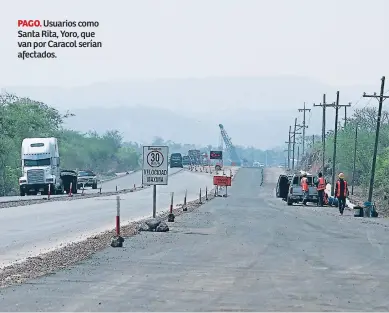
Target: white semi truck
41	168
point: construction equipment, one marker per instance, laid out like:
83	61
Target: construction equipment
235	160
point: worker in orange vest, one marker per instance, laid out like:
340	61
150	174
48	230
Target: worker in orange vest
321	186
305	188
341	192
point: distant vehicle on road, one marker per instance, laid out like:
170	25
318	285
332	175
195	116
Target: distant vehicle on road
195	157
176	160
256	164
86	178
186	160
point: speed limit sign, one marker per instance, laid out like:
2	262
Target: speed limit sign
155	158
155	165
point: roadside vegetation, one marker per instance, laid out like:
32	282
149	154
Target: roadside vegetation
366	121
23	117
103	153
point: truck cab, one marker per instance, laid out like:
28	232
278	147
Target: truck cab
295	193
40	165
41	170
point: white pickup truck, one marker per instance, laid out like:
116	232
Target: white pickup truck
295	192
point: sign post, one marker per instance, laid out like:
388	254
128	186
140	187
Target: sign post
222	181
155	169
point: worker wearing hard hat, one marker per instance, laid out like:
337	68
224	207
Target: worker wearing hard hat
341	192
304	188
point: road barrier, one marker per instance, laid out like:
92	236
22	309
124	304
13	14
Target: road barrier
118	216
171	215
118	240
48	191
185	208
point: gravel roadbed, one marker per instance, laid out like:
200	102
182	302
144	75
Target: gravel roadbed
68	255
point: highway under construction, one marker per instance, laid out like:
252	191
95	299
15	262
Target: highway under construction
246	252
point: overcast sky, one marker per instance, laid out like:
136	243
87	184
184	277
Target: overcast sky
329	44
338	42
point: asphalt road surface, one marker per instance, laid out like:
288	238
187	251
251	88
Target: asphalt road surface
29	231
121	182
249	251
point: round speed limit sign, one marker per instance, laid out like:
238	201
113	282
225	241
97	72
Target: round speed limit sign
155	159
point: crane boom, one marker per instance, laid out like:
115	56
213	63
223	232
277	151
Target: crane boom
229	146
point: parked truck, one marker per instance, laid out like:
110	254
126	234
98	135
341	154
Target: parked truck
41	169
195	157
289	188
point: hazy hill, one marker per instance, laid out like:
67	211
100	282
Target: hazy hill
255	111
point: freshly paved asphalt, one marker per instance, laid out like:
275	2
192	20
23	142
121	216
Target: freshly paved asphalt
249	252
30	230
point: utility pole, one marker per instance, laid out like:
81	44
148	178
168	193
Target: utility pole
355	156
289	142
298	157
336	106
381	99
323	131
313	141
304	126
294	141
345	117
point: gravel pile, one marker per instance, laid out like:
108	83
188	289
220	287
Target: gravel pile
70	254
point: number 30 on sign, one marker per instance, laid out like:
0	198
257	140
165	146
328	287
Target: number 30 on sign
155	165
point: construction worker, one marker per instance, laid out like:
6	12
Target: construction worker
321	186
304	188
341	192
